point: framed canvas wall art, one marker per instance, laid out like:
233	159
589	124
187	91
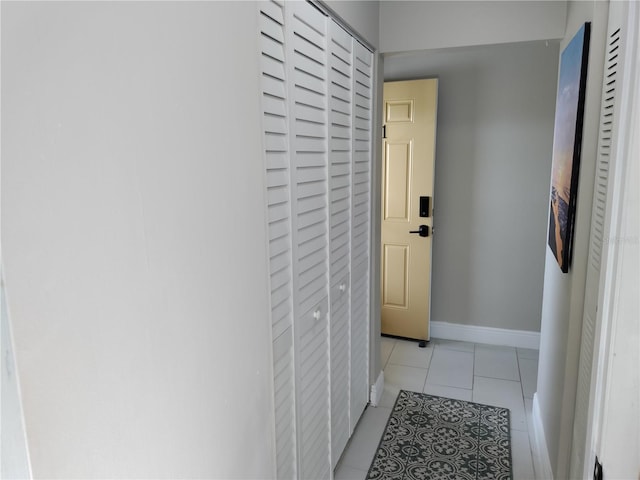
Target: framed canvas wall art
567	143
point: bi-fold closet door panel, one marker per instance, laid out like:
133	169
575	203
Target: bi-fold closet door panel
340	179
350	105
316	84
276	141
361	229
307	46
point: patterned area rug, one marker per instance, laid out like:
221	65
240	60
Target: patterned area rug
429	437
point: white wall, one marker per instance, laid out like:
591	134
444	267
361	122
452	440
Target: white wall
410	25
493	161
134	238
563	295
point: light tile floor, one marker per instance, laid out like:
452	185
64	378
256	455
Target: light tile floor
501	376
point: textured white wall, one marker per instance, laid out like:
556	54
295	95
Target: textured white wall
410	25
134	240
563	295
493	160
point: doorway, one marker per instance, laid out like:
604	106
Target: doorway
408	146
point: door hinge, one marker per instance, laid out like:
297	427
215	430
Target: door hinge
384	131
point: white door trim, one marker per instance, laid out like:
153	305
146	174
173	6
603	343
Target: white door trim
611	273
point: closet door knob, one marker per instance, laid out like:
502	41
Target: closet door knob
316	314
343	287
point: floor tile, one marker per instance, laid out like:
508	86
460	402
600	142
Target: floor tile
528	376
521	455
365	439
389	395
492	375
408	353
527	353
345	472
403	377
452	345
386	347
496	362
448	392
502	393
451	368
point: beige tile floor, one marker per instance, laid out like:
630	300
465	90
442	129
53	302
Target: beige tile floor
501	376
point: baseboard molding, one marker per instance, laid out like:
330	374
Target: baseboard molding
377	389
489	335
539	450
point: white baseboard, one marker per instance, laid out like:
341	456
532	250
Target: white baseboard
377	389
489	335
539	450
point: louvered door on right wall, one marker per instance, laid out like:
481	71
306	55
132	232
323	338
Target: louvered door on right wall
605	169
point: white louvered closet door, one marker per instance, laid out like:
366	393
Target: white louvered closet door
307	45
361	229
278	175
340	161
316	98
605	169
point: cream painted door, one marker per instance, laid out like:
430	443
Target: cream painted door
409	120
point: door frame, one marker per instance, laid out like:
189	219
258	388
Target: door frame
612	288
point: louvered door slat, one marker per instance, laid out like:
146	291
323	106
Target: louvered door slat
273	86
277	164
305	112
277	159
308	65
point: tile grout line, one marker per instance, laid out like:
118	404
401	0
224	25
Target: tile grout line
520	377
433	351
497	378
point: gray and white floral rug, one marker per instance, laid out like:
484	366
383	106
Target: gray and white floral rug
429	437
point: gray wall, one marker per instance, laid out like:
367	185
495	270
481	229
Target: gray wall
563	295
493	161
411	25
